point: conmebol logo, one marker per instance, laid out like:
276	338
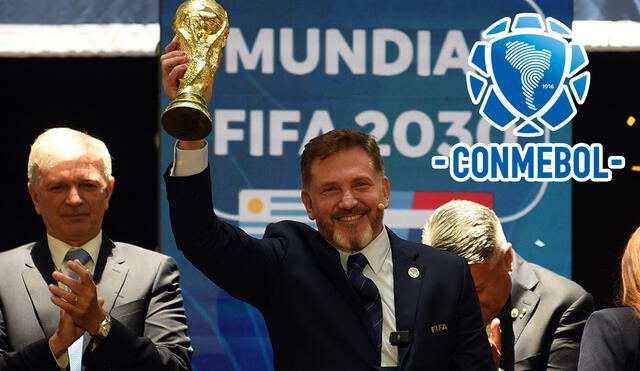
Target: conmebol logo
529	67
527	77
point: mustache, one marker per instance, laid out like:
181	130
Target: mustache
354	211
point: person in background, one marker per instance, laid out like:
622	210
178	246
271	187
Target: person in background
75	299
611	338
534	317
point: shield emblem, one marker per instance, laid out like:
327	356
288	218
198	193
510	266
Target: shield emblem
528	70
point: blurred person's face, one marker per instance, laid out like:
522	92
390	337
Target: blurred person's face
72	197
493	283
343	196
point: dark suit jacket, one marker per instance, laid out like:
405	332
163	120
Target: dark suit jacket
141	292
611	341
552	311
294	277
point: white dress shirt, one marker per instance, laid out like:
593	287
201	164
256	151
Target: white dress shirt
189	162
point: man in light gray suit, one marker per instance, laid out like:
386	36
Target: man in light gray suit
75	299
534	317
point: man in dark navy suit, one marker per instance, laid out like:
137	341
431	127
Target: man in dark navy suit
350	296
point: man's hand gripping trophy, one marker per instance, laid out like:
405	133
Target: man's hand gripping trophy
201	28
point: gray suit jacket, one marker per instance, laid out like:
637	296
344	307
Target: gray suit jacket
142	295
552	312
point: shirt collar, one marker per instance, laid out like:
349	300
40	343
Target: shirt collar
59	249
376	252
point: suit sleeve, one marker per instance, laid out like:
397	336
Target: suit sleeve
565	346
35	356
243	266
472	350
165	344
602	346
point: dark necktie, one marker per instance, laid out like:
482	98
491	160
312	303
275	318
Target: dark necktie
367	291
79	254
508	339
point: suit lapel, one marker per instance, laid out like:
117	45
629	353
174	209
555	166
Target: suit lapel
110	273
522	296
330	262
406	288
36	278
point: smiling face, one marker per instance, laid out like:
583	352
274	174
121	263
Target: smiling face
342	197
72	197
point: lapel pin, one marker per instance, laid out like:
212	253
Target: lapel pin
514	312
524	310
413	272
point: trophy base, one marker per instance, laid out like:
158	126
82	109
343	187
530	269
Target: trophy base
187	118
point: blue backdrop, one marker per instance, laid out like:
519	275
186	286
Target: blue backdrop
295	69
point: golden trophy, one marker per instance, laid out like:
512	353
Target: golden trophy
201	28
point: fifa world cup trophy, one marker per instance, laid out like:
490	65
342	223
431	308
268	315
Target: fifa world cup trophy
201	28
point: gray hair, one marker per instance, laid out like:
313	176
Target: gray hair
63	144
465	228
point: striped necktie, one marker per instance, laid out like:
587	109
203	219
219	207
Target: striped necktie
367	291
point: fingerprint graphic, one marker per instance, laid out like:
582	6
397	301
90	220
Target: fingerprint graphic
531	64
